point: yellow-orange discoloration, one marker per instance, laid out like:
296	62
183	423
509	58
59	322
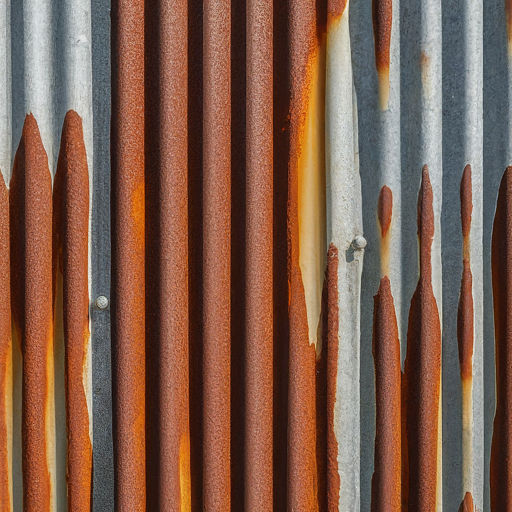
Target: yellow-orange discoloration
311	197
335	9
185	483
384	216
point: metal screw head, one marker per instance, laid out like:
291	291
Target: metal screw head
359	242
102	302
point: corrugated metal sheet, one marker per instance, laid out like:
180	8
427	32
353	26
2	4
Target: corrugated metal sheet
235	353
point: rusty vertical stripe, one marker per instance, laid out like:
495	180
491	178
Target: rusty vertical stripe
128	287
423	367
70	259
386	481
382	14
259	268
307	72
30	212
5	358
216	252
167	373
501	255
465	335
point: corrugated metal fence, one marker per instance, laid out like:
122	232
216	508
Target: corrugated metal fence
249	154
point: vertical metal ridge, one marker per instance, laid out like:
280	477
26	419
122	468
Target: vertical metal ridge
423	368
259	279
6	422
31	287
128	237
216	252
344	231
5	91
168	477
70	259
501	470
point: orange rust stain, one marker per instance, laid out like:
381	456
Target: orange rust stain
303	481
501	255
386	481
330	317
30	213
465	317
185	482
384	215
5	355
335	9
70	255
508	11
467	504
423	368
382	14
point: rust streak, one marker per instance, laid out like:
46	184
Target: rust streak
467	504
501	256
128	246
70	257
30	214
330	314
508	12
423	368
5	356
306	25
217	253
259	282
382	14
335	9
386	481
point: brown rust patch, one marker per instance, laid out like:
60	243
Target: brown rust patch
70	256
330	317
386	481
467	504
382	14
5	355
508	11
30	212
501	256
384	215
335	9
465	316
423	368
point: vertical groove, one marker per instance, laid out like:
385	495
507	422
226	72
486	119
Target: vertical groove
31	285
259	282
423	368
167	353
501	452
128	336
216	255
6	502
70	259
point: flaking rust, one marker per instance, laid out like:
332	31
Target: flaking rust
70	259
5	358
30	212
423	369
382	14
386	481
465	335
501	255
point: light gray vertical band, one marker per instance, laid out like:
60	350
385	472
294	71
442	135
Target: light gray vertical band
5	90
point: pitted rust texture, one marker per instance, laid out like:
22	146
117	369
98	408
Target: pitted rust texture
501	255
168	479
307	29
70	258
5	352
467	504
259	268
128	244
465	316
330	317
30	212
386	481
217	254
423	368
335	9
382	14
